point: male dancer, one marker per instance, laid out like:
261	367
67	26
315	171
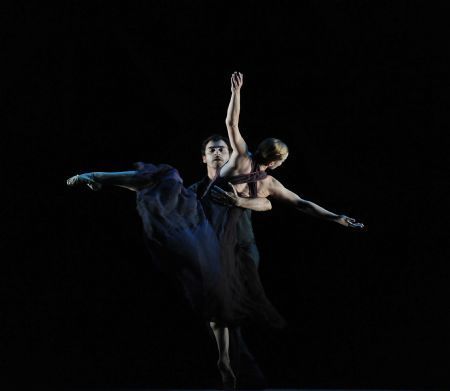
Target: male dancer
215	153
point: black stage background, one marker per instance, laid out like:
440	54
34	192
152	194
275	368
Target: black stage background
354	88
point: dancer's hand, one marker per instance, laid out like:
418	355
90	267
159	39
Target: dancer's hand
350	222
237	79
86	179
226	197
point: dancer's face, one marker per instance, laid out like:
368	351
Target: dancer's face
277	163
216	154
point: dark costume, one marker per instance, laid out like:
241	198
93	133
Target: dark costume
208	247
242	361
245	235
219	277
179	236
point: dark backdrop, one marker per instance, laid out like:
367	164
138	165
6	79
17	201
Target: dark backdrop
355	89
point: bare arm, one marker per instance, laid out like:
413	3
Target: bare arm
258	204
278	191
232	121
95	180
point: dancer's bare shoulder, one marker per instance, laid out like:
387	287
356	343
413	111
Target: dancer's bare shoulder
239	164
267	186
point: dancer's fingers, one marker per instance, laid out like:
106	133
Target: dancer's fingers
357	225
234	189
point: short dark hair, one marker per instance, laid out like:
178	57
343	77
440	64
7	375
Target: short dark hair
215	137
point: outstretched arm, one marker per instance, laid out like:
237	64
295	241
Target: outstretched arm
232	121
278	191
95	180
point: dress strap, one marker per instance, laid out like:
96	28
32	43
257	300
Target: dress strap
251	179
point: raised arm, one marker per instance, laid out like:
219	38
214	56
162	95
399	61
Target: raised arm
232	121
95	180
279	192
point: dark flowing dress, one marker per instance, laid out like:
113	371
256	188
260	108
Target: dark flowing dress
199	237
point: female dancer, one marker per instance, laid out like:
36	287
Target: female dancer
217	280
182	242
249	176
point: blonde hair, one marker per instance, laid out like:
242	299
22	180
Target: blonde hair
271	150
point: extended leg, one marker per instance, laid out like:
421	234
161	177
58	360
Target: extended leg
94	180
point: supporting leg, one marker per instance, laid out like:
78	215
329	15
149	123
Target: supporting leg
223	341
